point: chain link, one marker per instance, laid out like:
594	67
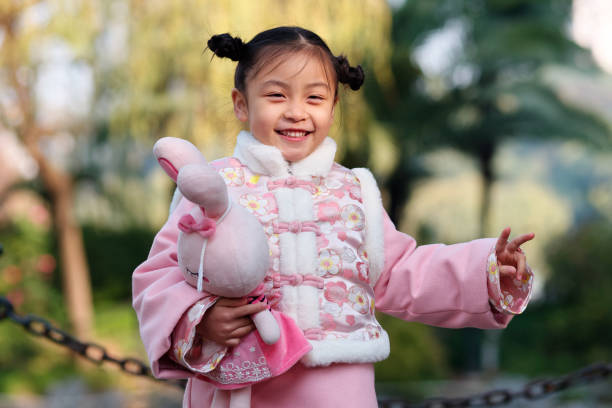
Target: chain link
531	391
91	351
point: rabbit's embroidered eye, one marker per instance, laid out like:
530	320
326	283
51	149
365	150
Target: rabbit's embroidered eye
195	275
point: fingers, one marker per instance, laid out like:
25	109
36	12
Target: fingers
502	240
507	270
231	302
521	267
247	310
232	337
517	242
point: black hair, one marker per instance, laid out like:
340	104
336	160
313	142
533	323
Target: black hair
269	44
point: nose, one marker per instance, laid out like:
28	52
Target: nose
295	112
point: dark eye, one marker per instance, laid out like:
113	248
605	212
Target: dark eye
316	97
275	95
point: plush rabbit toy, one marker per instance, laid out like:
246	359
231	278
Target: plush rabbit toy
222	248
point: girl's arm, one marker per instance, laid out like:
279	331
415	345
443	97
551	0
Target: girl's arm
443	285
161	297
177	323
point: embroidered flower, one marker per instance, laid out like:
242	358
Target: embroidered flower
362	253
196	312
351	178
253	204
362	269
348	255
253	180
359	299
353	217
355	193
335	292
507	301
374	331
179	349
338	193
332	308
329	263
333	183
214	361
493	269
319	190
328	322
233	176
328	211
350	320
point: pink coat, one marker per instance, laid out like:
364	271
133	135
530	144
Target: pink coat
464	291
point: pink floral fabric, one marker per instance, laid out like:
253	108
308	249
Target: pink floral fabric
507	295
346	306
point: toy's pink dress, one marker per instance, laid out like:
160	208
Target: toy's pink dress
335	258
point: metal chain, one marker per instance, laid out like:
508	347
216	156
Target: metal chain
533	390
91	351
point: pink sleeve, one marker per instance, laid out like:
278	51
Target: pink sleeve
160	296
441	285
191	351
507	295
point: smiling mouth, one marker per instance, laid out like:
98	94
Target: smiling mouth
293	134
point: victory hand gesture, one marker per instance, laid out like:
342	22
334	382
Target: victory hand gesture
510	257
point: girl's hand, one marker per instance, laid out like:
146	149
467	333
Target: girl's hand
228	320
510	257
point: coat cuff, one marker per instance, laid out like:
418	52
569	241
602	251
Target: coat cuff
506	294
190	350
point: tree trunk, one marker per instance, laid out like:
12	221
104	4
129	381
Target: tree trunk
73	261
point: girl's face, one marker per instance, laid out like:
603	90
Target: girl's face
289	106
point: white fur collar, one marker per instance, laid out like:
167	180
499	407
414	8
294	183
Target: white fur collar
269	161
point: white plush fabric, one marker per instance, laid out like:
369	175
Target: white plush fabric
372	204
268	160
326	352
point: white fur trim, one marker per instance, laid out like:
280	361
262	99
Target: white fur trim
319	162
308	308
260	158
303	205
288	253
326	352
284	202
289	301
306	253
268	160
373	208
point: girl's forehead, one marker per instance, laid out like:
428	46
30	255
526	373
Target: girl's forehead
297	65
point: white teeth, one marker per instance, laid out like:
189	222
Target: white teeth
294	133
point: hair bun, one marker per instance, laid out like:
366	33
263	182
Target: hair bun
352	76
226	46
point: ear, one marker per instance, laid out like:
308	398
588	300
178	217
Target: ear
173	153
241	109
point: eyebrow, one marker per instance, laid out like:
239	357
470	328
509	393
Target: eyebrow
285	85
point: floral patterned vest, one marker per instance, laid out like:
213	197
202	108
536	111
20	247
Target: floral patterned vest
321	243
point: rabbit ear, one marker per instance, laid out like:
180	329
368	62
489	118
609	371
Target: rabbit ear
202	185
173	153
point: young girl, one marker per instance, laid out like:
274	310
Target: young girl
335	256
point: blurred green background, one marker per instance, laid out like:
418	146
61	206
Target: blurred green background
475	115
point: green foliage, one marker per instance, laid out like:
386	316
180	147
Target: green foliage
415	353
112	256
570	326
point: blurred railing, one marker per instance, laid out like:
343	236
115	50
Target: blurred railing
96	353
